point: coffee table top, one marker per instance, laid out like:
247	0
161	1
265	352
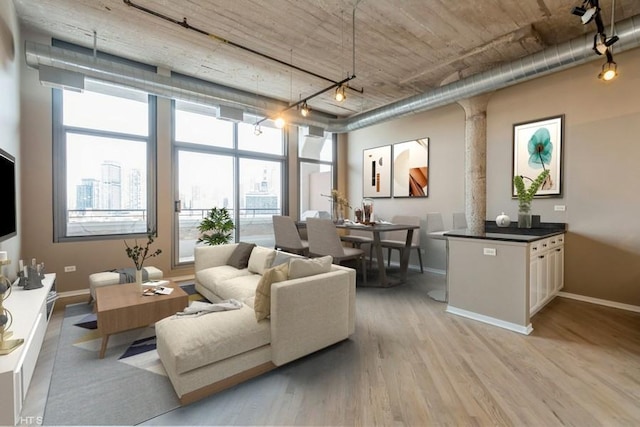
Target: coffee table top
123	295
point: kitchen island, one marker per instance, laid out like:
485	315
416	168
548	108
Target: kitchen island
503	276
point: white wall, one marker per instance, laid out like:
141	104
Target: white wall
601	173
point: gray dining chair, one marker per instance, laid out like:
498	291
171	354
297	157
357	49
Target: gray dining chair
359	238
287	236
459	220
397	239
324	240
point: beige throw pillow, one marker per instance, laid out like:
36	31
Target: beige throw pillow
304	267
262	302
261	259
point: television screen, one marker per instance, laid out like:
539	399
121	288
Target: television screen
8	227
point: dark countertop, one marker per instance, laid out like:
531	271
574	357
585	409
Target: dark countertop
512	233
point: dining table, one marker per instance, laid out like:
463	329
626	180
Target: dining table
376	229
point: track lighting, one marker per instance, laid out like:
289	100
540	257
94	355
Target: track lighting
340	94
601	43
587	11
257	131
279	122
609	71
305	110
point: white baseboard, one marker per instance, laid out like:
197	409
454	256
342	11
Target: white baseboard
525	330
599	301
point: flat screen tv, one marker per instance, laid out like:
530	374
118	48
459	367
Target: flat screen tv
8	226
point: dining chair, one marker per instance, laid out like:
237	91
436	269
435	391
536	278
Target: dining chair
435	226
324	240
397	239
287	236
459	220
358	238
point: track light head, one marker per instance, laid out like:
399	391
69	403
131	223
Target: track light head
601	43
609	71
340	94
588	15
279	122
257	131
305	110
587	11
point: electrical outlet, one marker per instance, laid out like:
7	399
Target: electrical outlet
69	268
559	208
489	251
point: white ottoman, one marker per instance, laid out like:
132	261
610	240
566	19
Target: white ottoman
107	278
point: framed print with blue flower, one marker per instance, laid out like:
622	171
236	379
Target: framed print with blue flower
537	146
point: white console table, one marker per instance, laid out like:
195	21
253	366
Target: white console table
31	315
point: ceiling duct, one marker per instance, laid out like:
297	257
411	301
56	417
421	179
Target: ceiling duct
553	59
231	114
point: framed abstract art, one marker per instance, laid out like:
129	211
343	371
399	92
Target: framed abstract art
537	146
411	168
376	172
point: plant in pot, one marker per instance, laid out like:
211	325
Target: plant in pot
526	195
216	228
139	254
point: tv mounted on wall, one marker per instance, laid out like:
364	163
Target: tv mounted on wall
8	225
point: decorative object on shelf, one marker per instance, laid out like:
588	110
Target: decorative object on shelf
367	209
376	172
216	227
358	213
411	168
7	345
139	254
339	206
503	220
526	195
538	146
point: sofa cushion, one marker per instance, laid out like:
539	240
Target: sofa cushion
262	302
240	288
304	267
212	276
260	259
198	341
240	256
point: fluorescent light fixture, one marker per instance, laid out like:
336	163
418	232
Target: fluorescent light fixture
59	78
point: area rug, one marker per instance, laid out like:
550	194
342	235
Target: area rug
127	387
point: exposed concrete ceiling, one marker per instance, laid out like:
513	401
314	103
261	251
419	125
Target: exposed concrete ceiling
402	47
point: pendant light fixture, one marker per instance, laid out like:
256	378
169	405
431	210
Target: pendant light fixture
340	93
305	110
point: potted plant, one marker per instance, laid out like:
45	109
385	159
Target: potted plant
216	228
526	195
139	254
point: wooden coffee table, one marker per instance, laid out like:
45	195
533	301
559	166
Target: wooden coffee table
123	307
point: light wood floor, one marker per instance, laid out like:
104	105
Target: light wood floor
410	363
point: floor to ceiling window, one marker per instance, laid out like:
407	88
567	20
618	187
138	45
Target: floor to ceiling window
104	143
225	164
316	173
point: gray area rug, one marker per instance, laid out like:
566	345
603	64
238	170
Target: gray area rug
86	390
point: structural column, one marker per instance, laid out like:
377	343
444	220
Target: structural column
475	162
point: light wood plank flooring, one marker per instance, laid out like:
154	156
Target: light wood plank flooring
410	363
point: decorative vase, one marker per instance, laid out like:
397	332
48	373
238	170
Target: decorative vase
503	220
367	210
139	278
337	214
524	217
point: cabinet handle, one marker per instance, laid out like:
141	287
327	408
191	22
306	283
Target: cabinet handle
558	250
553	242
544	246
540	256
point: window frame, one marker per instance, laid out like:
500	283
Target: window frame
333	163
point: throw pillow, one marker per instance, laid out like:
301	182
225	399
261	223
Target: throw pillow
262	302
308	267
261	259
240	256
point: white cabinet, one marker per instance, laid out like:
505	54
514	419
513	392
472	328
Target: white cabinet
31	311
546	271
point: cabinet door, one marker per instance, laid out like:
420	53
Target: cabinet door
559	268
551	273
534	299
543	287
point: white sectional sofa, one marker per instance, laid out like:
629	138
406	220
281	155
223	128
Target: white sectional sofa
208	353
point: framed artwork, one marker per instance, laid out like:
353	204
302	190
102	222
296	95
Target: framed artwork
537	146
376	172
411	168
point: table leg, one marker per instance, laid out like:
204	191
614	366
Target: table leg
382	272
405	255
103	347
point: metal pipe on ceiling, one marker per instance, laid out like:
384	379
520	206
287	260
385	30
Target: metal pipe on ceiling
553	59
